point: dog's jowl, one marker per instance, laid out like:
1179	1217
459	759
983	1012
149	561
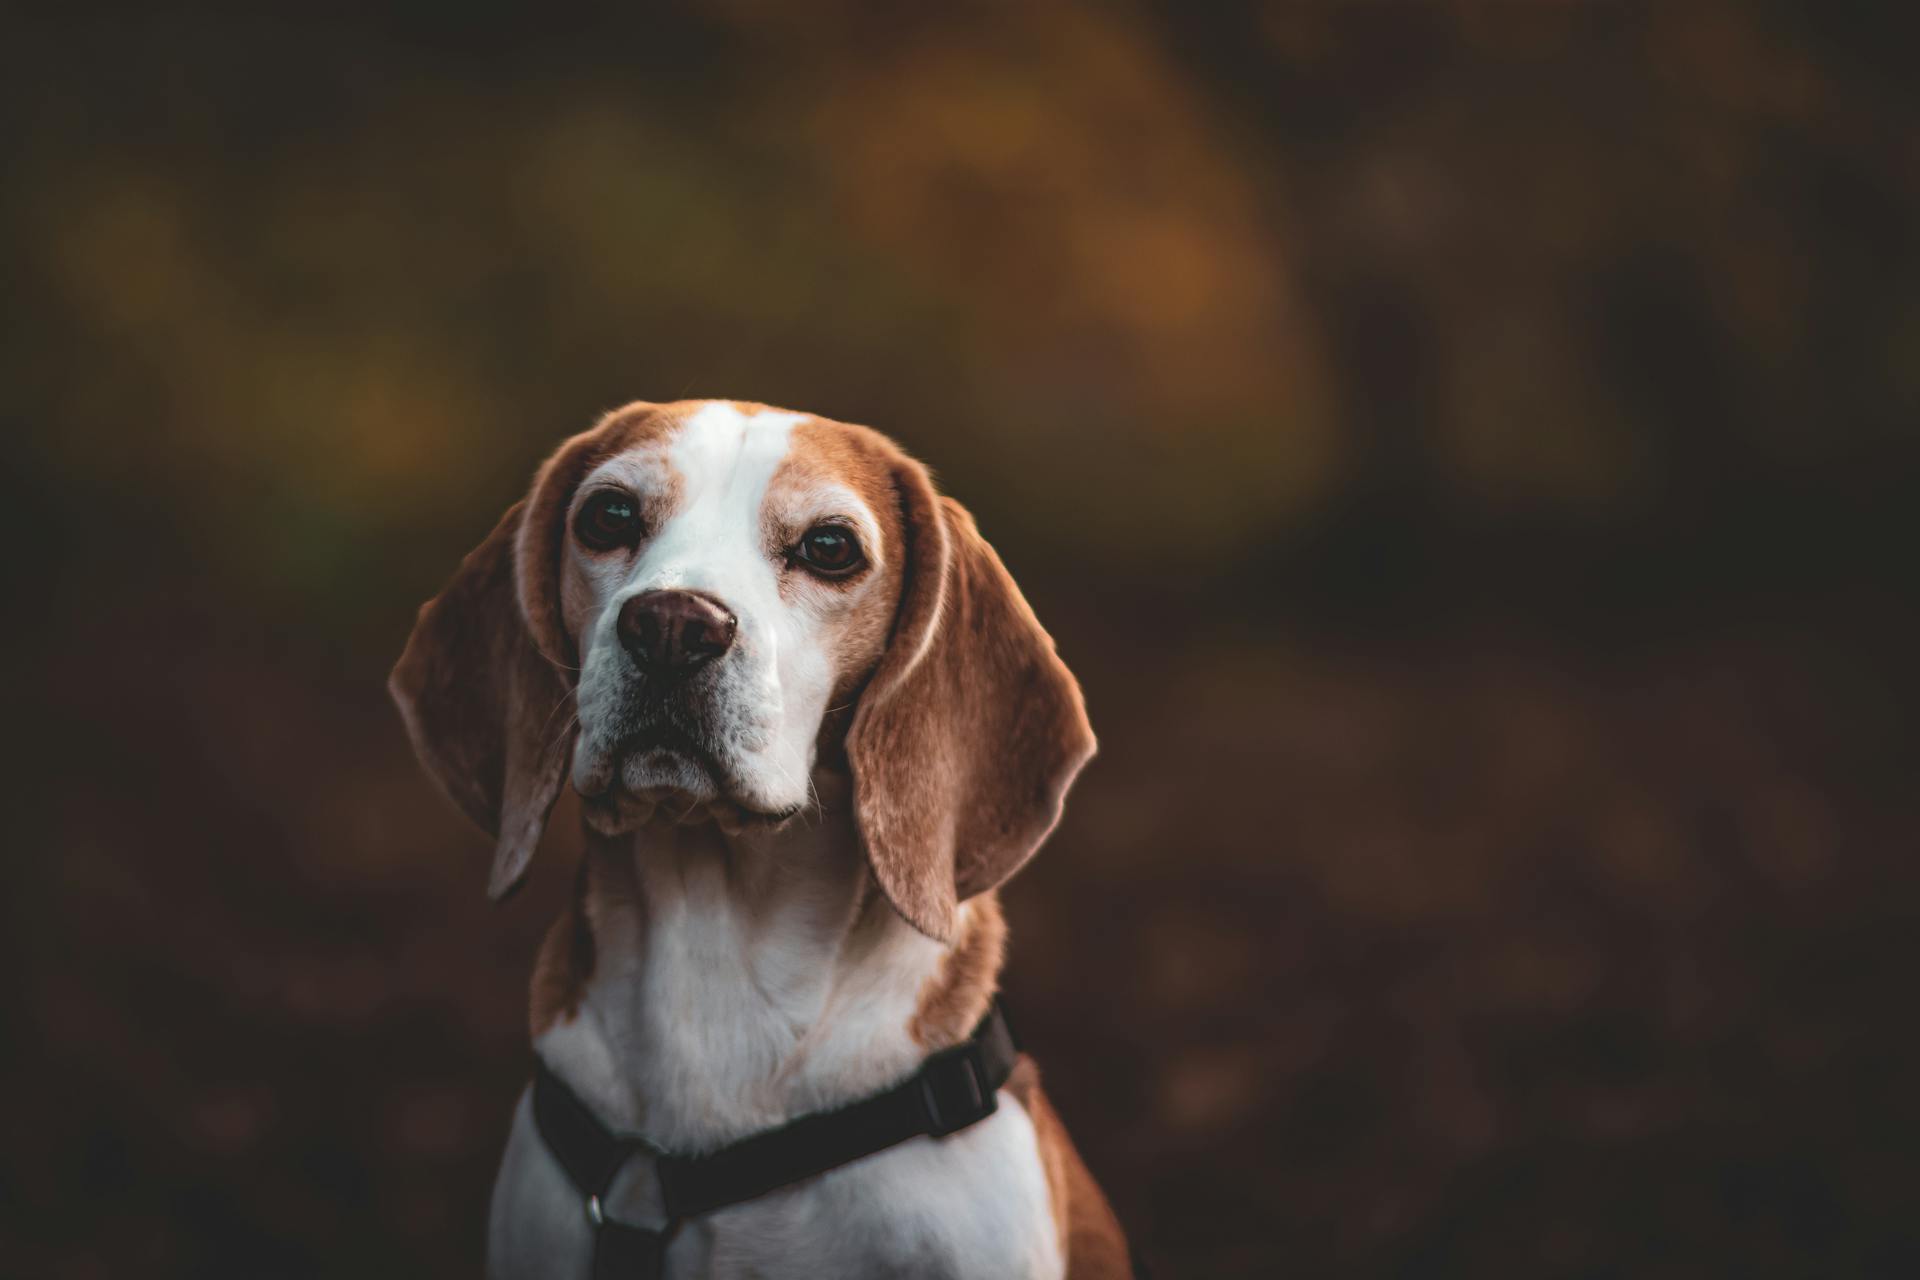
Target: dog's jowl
813	725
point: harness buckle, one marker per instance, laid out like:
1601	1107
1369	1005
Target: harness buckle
953	1093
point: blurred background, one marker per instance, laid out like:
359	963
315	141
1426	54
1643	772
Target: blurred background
1466	449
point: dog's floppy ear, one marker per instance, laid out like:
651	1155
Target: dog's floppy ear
483	704
971	728
490	664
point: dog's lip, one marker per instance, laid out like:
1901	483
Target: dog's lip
598	776
666	738
670	739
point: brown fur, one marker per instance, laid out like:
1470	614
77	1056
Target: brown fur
564	963
971	730
955	997
480	700
1090	1236
831	452
543	538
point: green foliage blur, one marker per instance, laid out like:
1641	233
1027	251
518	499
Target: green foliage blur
1158	292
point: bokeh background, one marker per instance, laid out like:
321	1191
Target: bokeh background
1467	450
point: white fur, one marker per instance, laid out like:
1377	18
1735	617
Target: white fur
743	979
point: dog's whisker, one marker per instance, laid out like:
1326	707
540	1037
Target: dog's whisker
569	696
813	792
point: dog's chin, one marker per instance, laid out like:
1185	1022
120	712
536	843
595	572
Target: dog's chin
658	786
664	774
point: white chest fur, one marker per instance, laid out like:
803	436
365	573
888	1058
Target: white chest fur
732	992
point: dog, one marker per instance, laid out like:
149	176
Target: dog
813	725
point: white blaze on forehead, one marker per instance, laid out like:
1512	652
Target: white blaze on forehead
728	456
725	459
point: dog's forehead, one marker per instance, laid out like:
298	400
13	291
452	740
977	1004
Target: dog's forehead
692	451
729	450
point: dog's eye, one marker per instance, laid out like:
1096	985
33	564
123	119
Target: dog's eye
608	519
830	550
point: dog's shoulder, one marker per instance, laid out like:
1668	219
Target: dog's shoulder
1090	1234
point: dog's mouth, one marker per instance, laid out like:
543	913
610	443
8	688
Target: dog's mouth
667	771
670	740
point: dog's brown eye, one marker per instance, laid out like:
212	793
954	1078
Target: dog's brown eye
608	519
830	549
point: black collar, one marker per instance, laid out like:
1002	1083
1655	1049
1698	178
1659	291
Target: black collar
954	1088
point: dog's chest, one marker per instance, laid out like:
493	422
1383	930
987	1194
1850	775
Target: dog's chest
706	1023
713	1018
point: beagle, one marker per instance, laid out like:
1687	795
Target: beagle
813	725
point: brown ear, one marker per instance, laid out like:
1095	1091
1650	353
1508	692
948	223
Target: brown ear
484	706
971	729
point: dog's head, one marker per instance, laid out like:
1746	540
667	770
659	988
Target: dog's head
734	597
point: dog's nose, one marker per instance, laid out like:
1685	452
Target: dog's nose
675	630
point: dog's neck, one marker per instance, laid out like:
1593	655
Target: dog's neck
706	984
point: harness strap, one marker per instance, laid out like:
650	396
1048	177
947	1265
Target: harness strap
952	1089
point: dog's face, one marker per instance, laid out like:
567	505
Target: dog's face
728	593
726	577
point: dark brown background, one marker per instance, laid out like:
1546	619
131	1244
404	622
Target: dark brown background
1466	449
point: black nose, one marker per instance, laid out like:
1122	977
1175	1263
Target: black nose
675	630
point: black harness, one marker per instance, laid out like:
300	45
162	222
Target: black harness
954	1088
